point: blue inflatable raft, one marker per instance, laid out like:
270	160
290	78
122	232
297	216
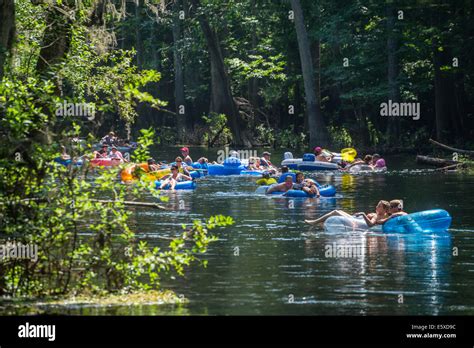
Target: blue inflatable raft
427	221
324	191
182	185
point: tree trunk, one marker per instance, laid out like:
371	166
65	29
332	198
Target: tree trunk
433	161
178	74
222	100
393	126
138	34
253	82
7	31
317	130
442	107
56	41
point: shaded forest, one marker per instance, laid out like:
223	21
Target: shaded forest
279	73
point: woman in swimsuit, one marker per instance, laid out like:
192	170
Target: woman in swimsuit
381	212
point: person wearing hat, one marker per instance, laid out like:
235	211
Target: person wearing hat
377	161
110	139
265	162
318	151
102	153
185	153
116	155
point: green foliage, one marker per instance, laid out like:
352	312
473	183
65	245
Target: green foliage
257	67
167	135
145	140
217	132
85	244
340	137
78	221
286	138
264	135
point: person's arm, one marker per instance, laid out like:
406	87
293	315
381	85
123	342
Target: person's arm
317	190
187	177
122	158
381	222
369	222
166	177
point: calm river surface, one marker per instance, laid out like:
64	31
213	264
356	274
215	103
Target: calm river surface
281	266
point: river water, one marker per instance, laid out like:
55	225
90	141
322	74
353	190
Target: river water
271	262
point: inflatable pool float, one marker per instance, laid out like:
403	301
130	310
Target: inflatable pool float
197	174
120	148
365	168
324	191
266	182
346	224
252	172
156	175
105	162
428	221
220	169
197	165
181	185
128	174
307	163
435	220
348	154
231	166
68	162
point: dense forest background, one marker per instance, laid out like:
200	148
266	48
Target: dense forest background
253	72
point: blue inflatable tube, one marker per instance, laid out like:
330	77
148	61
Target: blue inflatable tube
220	169
196	174
284	175
324	191
327	190
67	162
252	172
182	185
197	165
232	162
435	220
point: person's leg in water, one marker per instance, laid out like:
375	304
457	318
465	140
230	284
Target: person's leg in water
173	183
327	216
164	183
311	189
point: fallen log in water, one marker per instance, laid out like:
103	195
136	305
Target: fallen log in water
453	166
138	204
433	161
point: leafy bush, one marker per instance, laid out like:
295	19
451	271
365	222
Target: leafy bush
288	139
79	223
217	132
340	137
